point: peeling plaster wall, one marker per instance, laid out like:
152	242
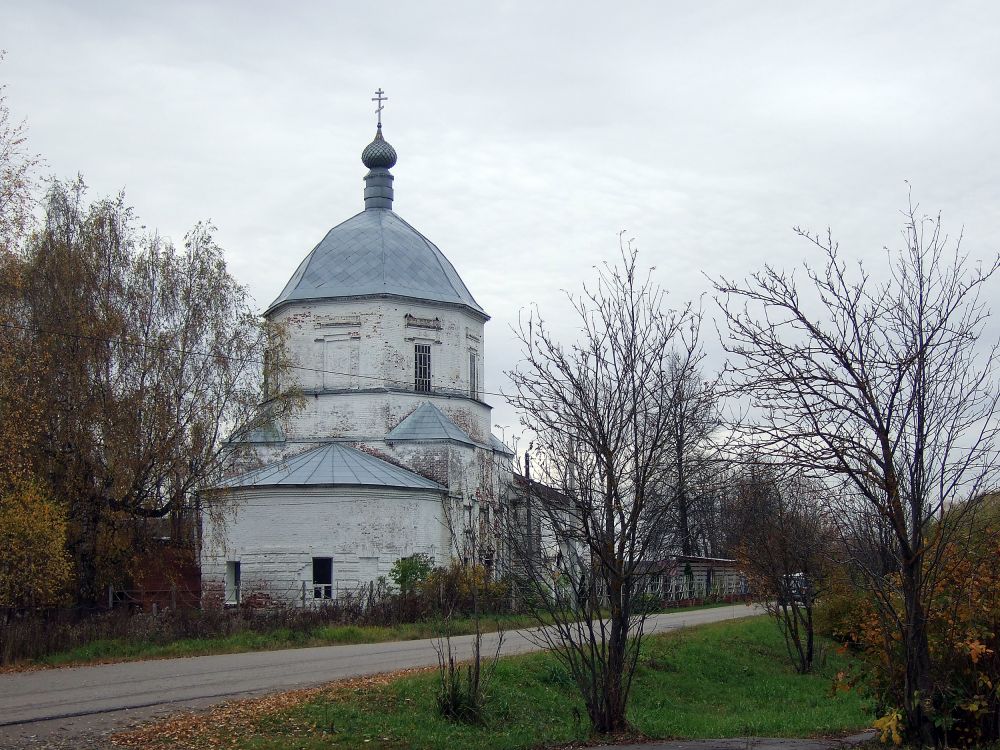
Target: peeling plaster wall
369	344
275	534
356	360
366	415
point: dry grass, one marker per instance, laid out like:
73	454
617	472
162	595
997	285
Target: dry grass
228	724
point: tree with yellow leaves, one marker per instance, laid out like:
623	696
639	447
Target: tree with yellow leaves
34	566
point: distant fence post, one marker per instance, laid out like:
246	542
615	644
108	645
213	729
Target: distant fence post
173	596
111	597
303	594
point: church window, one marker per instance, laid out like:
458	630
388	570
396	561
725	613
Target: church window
473	376
322	578
422	367
233	582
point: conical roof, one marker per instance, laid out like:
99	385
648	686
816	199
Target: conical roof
331	464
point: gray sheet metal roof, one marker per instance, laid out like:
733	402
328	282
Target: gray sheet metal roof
427	422
331	464
499	445
376	253
267	433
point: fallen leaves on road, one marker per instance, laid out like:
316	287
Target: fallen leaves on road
228	724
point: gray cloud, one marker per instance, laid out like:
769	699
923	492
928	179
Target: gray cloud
529	134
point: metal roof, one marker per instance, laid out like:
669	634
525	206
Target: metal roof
270	432
500	446
427	422
331	464
377	253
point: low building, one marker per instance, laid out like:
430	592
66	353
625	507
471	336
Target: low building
685	578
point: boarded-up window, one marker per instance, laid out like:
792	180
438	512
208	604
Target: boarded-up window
340	362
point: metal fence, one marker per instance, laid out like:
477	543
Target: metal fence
684	588
296	593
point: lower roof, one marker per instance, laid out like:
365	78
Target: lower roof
331	465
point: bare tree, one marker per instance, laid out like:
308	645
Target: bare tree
17	177
881	386
784	549
473	534
602	446
692	405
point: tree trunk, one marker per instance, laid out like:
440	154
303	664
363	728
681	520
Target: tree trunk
612	713
84	552
810	635
683	521
918	694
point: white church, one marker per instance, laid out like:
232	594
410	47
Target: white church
392	452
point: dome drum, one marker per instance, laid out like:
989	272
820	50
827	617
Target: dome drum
378	189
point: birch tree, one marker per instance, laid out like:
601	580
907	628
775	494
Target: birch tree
145	358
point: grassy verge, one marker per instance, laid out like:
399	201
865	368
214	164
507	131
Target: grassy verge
723	680
118	649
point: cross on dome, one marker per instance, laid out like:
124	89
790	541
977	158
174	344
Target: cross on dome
379	156
380	97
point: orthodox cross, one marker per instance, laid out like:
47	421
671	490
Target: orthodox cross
380	97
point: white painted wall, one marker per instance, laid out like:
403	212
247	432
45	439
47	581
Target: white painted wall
385	341
274	534
357	374
371	415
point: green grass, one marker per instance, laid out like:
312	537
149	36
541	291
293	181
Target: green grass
118	649
722	680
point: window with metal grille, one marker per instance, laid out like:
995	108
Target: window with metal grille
473	376
422	367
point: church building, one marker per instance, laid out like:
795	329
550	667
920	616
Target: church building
391	453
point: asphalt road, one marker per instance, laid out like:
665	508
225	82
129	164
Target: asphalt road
61	704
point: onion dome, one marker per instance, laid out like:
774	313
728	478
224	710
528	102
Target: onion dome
379	154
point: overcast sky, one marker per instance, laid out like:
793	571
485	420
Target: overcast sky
529	134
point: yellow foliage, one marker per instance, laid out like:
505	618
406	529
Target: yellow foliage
977	650
456	587
963	616
890	727
34	565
